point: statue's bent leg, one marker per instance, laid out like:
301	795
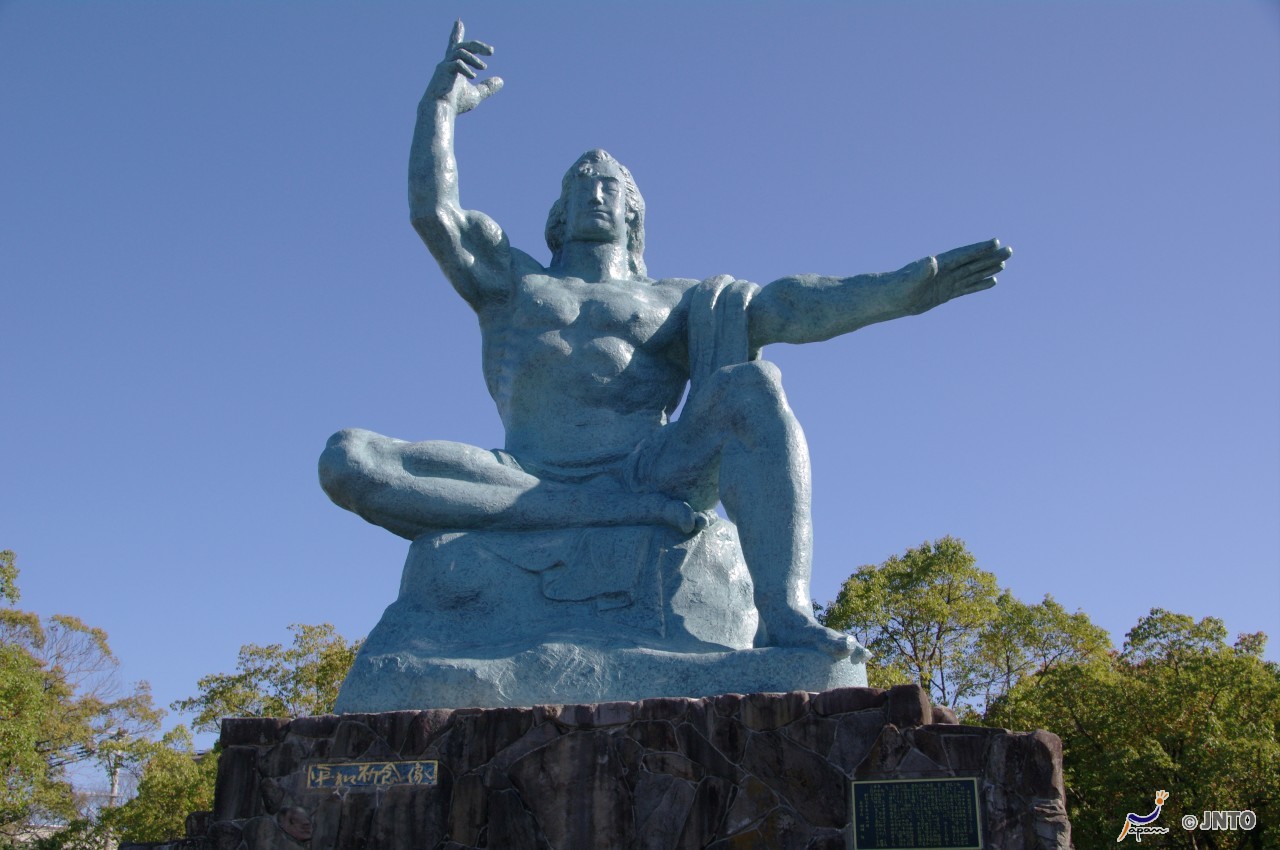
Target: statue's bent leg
739	440
413	488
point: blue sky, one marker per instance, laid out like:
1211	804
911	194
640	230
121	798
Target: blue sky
206	268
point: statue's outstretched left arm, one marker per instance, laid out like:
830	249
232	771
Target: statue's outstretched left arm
811	308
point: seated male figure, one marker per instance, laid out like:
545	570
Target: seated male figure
588	358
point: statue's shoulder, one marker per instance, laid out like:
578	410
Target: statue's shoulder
678	283
675	287
522	264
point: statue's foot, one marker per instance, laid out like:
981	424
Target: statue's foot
797	629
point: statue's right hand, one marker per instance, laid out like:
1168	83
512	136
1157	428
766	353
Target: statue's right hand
451	82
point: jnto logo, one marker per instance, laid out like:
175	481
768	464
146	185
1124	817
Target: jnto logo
1140	825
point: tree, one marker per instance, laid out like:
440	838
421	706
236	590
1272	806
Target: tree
933	617
275	681
174	781
9	576
23	707
1026	639
1178	709
62	705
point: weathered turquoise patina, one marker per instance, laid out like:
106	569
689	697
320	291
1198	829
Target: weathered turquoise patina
584	562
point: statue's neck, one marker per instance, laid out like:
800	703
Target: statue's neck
592	261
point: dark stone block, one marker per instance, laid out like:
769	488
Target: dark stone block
827	840
320	726
845	700
909	705
469	808
531	740
751	802
197	824
479	738
406	816
355	829
236	788
326	822
890	748
943	714
284	758
424	728
726	705
393	728
762	712
273	795
614	713
351	738
706	813
725	732
929	743
583	768
658	735
813	732
697	748
252	731
225	835
511	825
855	735
595	715
805	780
672	709
780	830
547	714
965	747
673	764
662	805
1042	764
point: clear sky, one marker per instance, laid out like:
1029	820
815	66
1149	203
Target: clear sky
206	268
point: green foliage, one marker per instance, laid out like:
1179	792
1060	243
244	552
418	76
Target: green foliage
62	705
175	781
1179	709
9	576
24	706
933	617
276	681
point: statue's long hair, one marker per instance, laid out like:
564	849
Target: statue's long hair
557	218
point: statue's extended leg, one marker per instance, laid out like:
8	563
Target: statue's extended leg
413	488
740	442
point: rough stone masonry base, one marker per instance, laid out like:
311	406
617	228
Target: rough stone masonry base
731	771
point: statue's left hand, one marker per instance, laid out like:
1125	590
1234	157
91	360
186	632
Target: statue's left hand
936	280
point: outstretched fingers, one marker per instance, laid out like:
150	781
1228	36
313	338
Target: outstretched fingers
476	47
458	46
977	252
976	277
489	86
462	59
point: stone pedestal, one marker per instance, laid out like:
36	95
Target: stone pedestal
732	771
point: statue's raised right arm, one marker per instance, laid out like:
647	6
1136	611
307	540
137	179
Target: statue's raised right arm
470	247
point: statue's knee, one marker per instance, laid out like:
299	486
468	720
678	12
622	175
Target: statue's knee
756	385
341	460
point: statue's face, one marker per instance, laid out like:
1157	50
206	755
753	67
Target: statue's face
596	208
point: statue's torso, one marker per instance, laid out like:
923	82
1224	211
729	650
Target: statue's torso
582	372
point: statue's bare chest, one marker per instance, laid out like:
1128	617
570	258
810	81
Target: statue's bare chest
633	313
